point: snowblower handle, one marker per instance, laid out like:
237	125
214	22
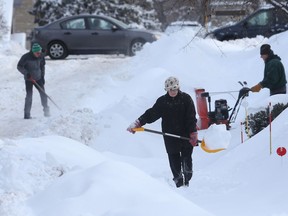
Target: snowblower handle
244	92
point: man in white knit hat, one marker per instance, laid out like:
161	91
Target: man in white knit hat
177	111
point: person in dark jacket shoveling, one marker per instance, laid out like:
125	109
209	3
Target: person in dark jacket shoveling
274	72
32	66
177	110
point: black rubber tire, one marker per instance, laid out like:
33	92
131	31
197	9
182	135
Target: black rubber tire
57	50
135	46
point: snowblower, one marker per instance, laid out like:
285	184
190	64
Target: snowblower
220	115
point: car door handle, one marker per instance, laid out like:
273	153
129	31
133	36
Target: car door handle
94	33
67	33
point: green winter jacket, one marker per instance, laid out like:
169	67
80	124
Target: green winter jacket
274	73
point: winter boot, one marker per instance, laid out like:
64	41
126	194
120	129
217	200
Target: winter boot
188	173
46	112
27	116
178	181
187	176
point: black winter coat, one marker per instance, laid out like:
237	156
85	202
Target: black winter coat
32	65
178	117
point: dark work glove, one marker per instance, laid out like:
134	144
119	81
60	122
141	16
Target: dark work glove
193	139
29	77
244	92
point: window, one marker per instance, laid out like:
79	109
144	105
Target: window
105	25
261	19
94	23
74	24
281	17
98	23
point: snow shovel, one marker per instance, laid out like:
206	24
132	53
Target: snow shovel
42	90
206	149
203	145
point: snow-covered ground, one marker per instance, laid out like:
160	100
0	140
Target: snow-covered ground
82	162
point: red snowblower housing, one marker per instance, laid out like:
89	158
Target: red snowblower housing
220	115
207	117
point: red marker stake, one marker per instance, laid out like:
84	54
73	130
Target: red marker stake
281	151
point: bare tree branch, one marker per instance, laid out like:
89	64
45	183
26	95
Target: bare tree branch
283	5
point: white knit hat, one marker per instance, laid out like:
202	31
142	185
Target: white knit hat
172	83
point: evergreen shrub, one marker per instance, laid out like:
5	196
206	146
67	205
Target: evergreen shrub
259	120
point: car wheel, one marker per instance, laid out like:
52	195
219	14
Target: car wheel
57	50
136	46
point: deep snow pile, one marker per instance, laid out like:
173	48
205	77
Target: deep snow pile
84	158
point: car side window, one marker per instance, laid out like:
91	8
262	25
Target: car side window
74	24
99	24
261	19
105	25
281	17
95	23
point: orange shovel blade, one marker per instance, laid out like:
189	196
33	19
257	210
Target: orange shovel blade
206	149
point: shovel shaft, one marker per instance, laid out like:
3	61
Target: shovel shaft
167	134
42	90
164	134
203	145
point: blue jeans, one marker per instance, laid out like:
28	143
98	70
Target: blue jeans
29	94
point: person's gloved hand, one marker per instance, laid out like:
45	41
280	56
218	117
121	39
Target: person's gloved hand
193	139
244	91
256	88
133	125
29	77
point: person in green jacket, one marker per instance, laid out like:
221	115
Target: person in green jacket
274	72
32	66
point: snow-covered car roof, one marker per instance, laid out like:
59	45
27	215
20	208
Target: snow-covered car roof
183	25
